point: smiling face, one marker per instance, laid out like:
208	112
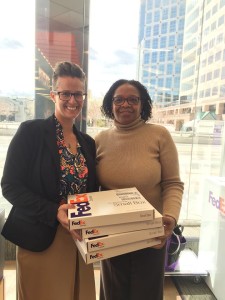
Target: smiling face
67	110
126	113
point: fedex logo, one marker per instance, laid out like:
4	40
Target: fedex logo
97	245
82	209
79	198
218	203
92	231
80	222
97	255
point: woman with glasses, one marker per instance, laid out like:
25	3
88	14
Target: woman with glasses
134	153
46	161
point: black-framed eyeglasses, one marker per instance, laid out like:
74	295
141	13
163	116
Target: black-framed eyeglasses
131	100
66	96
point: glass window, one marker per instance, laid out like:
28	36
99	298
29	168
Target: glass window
204	63
157	16
206	31
209	76
145	73
202	79
149	17
145	81
222	91
216	73
169	69
164	28
168	82
162	56
218	55
149	4
146	58
172	41
223	73
165	13
155	43
205	47
207	92
163	42
201	94
221	21
181	24
148	31
170	55
173	12
177	68
181	9
180	39
177	82
147	44
154	57
213	26
214	9
157	4
215	91
219	38
172	26
211	43
153	81
160	82
161	68
156	30
210	59
207	16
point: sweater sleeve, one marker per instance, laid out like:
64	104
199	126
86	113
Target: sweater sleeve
171	184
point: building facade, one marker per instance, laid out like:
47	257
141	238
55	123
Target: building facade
199	87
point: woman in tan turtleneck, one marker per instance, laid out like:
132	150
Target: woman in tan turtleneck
133	153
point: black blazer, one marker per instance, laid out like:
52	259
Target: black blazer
31	179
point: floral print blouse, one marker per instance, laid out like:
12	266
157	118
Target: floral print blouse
74	171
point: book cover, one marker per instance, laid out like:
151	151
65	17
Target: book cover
91	257
120	228
113	240
108	207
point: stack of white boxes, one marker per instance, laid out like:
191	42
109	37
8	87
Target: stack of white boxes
113	222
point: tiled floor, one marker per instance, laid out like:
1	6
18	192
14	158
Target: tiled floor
10	284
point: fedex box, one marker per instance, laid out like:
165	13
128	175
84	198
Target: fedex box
212	234
108	207
92	257
113	240
120	228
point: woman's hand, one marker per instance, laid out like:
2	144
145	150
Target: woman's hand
62	217
169	224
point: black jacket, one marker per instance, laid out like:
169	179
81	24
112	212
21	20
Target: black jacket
31	180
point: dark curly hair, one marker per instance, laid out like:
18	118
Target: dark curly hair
145	98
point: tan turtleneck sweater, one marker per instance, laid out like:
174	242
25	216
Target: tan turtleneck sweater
143	156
